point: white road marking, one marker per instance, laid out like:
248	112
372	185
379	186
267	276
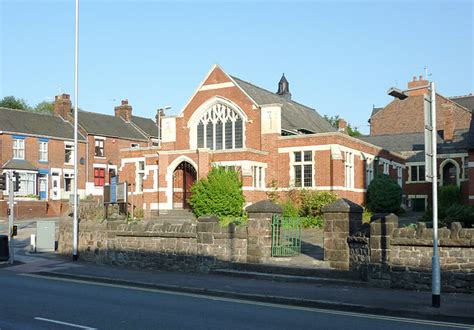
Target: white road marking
257	303
64	323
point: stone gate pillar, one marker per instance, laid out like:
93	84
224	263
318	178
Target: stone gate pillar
342	218
259	230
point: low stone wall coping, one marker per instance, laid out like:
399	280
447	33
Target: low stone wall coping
265	206
148	234
208	218
342	205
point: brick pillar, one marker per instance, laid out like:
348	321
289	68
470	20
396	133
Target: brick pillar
342	218
259	230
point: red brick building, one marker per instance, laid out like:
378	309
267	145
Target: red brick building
275	143
40	147
399	126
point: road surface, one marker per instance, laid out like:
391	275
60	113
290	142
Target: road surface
29	301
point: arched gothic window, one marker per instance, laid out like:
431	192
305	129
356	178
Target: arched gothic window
220	128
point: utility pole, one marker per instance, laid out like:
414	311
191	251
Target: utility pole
11	202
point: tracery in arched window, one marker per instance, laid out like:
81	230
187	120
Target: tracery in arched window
220	128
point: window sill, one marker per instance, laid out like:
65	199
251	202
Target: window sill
99	157
43	161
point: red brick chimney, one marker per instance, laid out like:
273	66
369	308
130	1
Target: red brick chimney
448	125
342	126
62	106
418	83
124	111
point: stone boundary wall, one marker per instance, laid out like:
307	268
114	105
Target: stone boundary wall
190	246
389	256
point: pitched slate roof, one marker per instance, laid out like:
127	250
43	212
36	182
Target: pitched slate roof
106	125
19	164
146	125
294	116
466	101
38	124
412	145
375	110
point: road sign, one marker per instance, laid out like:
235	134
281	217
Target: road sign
113	189
428	138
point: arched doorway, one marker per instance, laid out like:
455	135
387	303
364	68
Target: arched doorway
184	176
450	174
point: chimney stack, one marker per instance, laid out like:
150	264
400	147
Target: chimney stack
62	106
448	125
418	83
124	111
342	126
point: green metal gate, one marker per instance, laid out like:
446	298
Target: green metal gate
286	236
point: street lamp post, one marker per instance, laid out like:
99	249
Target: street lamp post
75	197
431	175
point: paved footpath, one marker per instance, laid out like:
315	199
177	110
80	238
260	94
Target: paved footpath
454	307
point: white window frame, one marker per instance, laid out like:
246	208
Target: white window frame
258	177
18	148
43	151
301	164
410	178
369	171
140	176
69	146
349	170
98	140
400	176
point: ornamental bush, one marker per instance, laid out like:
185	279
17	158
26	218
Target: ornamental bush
384	195
312	202
219	194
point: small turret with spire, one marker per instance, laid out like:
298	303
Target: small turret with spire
284	88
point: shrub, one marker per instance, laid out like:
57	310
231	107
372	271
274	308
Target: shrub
219	194
384	195
290	209
460	213
272	193
448	195
366	216
313	201
312	222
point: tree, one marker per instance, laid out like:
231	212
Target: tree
334	121
45	107
12	102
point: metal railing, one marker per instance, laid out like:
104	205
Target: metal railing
286	236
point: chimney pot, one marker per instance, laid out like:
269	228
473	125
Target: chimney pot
125	102
414	78
342	126
421	77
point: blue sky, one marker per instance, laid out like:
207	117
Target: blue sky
339	57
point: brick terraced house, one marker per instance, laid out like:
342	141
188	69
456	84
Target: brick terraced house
276	143
399	127
41	146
